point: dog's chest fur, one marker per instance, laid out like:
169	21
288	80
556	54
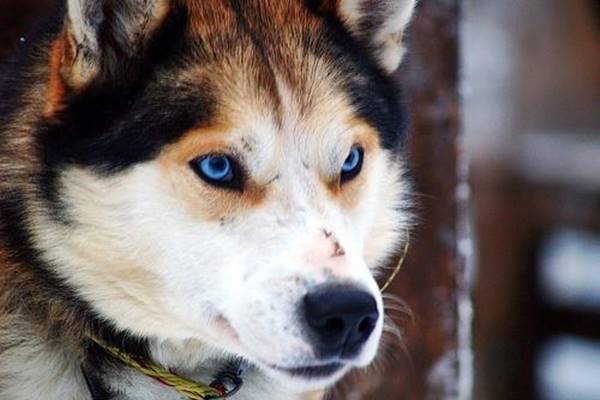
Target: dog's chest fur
32	368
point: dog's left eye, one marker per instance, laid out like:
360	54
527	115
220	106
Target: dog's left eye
352	164
217	170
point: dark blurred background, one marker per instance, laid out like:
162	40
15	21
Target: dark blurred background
531	108
503	273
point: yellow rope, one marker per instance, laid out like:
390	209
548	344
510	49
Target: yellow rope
191	389
399	265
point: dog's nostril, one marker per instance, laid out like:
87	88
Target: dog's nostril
340	319
334	326
366	325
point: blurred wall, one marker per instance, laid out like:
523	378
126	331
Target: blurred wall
531	107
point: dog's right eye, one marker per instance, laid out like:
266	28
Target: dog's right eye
218	170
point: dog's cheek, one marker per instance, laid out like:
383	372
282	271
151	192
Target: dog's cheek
109	248
385	214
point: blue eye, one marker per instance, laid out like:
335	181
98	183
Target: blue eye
218	170
353	163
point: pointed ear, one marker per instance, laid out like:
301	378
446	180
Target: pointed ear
379	23
101	36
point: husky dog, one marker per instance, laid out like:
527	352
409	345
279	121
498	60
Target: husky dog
194	182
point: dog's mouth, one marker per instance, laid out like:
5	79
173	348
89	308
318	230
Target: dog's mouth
312	371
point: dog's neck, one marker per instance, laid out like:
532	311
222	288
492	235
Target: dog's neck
44	339
108	377
64	373
187	367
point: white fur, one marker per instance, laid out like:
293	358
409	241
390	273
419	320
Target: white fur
387	37
32	368
86	18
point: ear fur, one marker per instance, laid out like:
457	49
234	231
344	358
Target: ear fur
99	41
379	23
99	35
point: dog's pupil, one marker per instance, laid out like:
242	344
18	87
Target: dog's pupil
219	164
216	167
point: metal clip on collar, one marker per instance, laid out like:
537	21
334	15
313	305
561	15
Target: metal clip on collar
229	381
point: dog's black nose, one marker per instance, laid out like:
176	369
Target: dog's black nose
340	320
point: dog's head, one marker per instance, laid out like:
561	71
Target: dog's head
226	171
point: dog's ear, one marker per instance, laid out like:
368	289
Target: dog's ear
380	24
101	36
101	42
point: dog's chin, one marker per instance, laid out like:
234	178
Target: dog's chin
306	378
318	375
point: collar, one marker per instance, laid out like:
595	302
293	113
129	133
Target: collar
225	384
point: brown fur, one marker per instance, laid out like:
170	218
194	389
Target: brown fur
26	300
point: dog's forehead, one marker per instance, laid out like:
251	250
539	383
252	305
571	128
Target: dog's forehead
232	63
272	63
258	17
